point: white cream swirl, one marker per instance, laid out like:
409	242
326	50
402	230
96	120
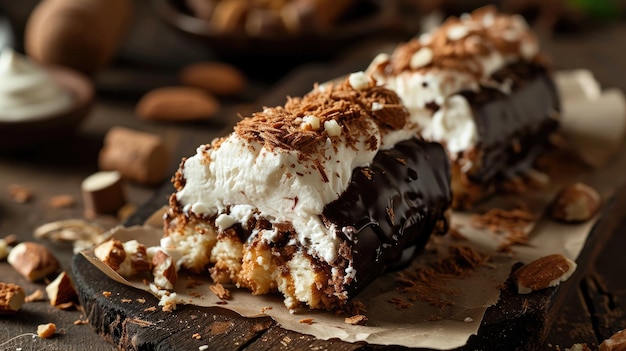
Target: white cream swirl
27	91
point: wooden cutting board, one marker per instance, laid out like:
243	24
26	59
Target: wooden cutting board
130	318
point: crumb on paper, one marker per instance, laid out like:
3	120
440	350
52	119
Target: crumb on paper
468	319
358	319
399	303
266	308
220	291
308	321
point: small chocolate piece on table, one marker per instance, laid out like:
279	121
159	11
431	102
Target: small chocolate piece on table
103	193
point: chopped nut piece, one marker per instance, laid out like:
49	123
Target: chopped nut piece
547	271
62	201
11	298
164	270
221	292
197	336
575	203
45	331
107	293
36	295
61	290
616	342
81	321
111	253
359	319
308	321
33	261
20	193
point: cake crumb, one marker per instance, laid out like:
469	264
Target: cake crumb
126	300
150	309
20	193
46	331
308	321
220	291
358	319
141	300
203	347
62	201
81	322
36	295
197	336
266	308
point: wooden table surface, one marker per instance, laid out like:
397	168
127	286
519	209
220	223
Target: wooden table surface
593	312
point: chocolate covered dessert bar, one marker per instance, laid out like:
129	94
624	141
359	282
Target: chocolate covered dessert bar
479	85
313	199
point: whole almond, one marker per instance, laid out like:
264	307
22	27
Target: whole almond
544	272
575	203
215	77
177	104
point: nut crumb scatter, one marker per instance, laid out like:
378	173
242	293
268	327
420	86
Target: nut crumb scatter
36	295
359	319
46	331
20	193
308	321
220	291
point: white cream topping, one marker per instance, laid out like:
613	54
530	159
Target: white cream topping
453	124
279	184
27	91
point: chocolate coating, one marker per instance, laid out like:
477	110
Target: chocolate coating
390	209
513	129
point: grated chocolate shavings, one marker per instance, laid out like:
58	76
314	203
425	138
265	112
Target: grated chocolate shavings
429	283
282	127
486	32
513	223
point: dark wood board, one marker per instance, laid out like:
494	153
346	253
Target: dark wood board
516	322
